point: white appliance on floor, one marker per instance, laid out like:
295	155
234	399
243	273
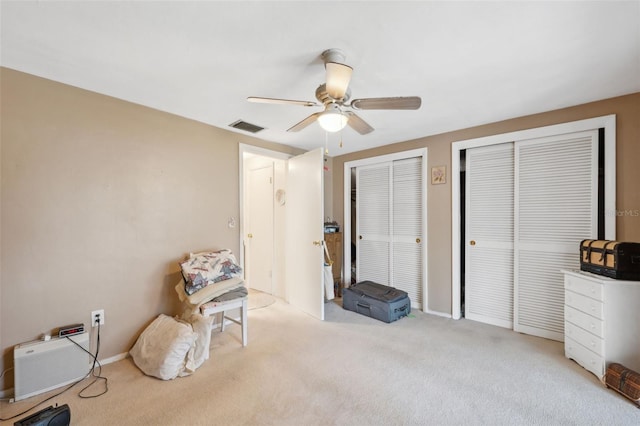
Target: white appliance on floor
41	366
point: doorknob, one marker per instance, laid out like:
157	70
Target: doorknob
360	237
317	243
418	240
472	242
250	235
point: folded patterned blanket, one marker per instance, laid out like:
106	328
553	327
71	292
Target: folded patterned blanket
204	269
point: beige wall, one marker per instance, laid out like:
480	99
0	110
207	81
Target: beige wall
627	110
100	200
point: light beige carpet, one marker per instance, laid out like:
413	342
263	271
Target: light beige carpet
352	370
259	300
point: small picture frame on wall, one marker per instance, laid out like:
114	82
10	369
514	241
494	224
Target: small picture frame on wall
438	175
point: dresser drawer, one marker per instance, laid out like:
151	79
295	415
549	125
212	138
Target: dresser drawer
584	338
583	356
584	321
584	304
584	286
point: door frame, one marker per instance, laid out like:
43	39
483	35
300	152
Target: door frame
346	234
250	149
607	122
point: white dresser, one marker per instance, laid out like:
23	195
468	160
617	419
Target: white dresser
601	321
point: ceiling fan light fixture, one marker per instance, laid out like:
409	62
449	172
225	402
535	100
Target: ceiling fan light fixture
332	119
338	77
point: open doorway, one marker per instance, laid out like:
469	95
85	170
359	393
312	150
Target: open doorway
263	178
289	262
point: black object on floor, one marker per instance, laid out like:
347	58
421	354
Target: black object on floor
377	301
50	416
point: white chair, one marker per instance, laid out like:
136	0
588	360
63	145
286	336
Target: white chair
212	308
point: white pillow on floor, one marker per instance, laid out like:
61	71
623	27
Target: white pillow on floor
164	348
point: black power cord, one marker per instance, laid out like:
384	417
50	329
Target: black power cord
91	372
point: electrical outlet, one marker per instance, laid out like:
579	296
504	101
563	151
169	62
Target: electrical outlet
97	316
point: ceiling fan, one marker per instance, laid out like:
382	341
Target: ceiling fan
335	95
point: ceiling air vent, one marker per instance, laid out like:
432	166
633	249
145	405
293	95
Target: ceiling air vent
247	127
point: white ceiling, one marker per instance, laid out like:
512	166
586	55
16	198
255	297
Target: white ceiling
471	62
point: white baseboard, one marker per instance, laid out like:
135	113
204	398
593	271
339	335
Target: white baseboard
114	358
6	393
440	314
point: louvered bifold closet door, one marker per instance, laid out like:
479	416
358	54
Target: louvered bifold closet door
373	226
407	265
489	235
556	196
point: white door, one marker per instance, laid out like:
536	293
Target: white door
305	233
556	206
259	262
488	283
407	265
373	227
389	226
528	206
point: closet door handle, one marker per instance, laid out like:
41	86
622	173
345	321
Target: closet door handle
472	242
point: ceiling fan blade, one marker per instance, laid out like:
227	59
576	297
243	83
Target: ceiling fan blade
304	123
338	78
358	124
257	99
408	102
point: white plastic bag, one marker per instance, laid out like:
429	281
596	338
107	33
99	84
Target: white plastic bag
328	276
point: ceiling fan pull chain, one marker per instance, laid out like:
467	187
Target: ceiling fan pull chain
340	138
326	143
